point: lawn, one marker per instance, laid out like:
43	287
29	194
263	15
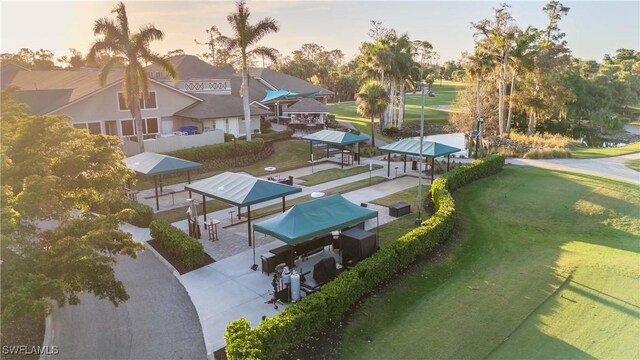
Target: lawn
334	174
338	189
445	95
551	273
633	164
592	153
288	155
410	196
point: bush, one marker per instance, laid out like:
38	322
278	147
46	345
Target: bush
369	151
189	250
265	125
228	137
548	154
391	132
226	150
142	214
274	135
275	335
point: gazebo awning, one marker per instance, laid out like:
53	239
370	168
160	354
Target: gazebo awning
306	106
335	137
312	218
273	95
411	146
149	163
241	190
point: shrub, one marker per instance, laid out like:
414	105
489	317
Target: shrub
548	154
542	140
275	335
265	125
391	132
274	135
142	214
368	151
189	250
219	151
228	137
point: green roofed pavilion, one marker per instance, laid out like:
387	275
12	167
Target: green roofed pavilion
336	138
313	218
241	190
411	146
156	165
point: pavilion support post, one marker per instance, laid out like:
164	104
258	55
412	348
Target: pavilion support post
204	210
249	223
327	150
283	205
310	150
239	215
254	267
155	185
189	181
161	189
405	163
388	164
448	158
433	166
358	151
342	158
378	229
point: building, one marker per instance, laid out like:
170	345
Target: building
206	98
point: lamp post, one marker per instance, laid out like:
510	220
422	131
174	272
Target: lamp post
478	133
419	219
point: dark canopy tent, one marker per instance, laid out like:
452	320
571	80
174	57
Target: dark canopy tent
411	146
241	190
156	165
312	218
337	138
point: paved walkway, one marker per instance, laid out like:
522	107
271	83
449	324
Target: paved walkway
611	167
158	321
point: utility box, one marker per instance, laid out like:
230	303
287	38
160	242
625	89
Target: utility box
399	209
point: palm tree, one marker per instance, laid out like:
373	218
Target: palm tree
372	100
245	35
127	51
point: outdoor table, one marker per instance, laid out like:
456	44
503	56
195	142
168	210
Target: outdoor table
270	169
213	229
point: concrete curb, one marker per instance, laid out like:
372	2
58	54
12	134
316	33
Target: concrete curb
47	341
162	260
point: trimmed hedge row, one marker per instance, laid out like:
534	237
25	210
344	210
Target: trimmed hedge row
275	335
176	242
274	135
227	150
142	214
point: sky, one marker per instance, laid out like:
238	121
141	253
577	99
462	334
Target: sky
593	28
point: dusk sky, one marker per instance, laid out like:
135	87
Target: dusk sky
593	28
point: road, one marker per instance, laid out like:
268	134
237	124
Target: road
157	322
611	167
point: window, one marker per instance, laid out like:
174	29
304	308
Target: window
149	103
127	127
149	126
92	127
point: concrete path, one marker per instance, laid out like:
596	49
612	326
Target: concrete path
611	167
158	321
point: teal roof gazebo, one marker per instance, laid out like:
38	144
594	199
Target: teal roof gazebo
337	138
156	165
241	190
411	146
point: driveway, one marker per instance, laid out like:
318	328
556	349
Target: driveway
157	322
611	167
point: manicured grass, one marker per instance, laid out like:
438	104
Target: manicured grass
410	196
334	174
288	155
178	214
591	153
550	274
633	164
338	189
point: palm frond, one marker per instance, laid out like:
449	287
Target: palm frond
123	21
146	34
113	63
99	47
262	28
165	64
270	53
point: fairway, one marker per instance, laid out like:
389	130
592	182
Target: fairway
545	265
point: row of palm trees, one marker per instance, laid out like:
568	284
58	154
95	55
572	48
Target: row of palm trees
129	50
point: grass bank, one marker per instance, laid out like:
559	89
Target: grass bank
334	174
592	153
551	273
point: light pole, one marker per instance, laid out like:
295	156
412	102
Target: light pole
419	219
478	133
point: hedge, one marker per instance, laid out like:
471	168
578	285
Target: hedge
227	150
277	334
179	244
142	214
274	135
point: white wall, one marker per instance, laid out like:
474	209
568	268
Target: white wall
172	143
